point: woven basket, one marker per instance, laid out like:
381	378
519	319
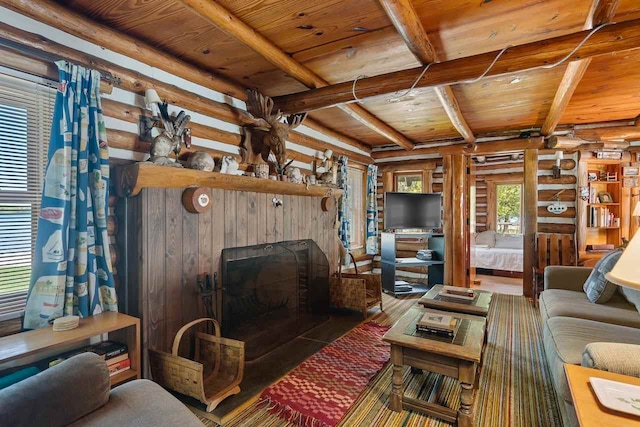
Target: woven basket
214	375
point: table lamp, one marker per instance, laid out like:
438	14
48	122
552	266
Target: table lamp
626	272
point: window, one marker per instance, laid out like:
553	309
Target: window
407	183
26	111
509	208
356	206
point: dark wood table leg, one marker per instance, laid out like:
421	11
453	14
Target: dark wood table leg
397	386
467	385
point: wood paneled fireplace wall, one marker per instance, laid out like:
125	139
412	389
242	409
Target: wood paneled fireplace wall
164	247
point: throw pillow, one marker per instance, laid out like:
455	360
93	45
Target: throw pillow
598	289
632	295
486	238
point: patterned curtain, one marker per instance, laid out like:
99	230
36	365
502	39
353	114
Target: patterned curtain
344	232
372	210
72	271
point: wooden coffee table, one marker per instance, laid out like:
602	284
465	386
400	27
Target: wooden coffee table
458	358
478	306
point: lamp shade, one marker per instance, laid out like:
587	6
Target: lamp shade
626	272
151	97
636	210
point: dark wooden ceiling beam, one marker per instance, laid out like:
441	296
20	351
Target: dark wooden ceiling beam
71	22
601	12
230	24
408	24
624	36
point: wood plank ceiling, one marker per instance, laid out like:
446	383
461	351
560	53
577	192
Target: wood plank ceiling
342	39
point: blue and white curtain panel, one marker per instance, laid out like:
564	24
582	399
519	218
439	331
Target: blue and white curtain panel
372	210
344	232
72	272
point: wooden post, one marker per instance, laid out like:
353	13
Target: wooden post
530	218
459	222
581	213
447	201
387	182
427	180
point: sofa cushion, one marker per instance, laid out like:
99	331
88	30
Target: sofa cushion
58	395
562	303
565	339
597	287
141	403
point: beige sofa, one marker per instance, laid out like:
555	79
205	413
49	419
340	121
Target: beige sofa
77	392
570	321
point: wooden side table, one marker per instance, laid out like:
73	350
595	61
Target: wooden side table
589	411
120	327
458	358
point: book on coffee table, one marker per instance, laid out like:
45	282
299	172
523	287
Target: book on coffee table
457	292
437	323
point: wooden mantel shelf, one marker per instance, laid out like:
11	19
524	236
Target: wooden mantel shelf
133	178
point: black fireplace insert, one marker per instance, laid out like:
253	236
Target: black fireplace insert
272	293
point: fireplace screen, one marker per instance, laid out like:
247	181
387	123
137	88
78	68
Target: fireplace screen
272	293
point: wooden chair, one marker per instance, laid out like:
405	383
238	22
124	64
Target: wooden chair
356	291
552	249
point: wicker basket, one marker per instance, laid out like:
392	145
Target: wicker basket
215	373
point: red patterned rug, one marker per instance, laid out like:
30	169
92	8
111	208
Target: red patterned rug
321	390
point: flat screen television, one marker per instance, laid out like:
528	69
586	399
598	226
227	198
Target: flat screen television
412	211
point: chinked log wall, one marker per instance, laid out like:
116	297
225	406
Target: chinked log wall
216	118
169	246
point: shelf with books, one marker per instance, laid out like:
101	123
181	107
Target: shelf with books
30	346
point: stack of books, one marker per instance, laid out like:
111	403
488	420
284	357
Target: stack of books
425	254
601	217
457	292
438	324
114	353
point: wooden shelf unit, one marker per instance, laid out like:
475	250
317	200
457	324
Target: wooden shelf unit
123	328
602	234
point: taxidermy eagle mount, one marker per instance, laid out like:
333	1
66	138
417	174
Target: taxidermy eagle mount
265	134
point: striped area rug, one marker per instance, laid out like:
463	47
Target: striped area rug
515	384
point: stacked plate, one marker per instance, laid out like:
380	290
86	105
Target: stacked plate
66	323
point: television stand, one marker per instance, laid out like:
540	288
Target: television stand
390	263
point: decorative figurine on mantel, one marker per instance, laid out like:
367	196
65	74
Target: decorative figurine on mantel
173	135
324	167
264	133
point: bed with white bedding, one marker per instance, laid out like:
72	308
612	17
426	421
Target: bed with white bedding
496	251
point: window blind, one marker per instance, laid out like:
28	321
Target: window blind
26	111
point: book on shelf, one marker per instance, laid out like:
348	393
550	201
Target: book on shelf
106	350
457	292
116	368
600	217
117	359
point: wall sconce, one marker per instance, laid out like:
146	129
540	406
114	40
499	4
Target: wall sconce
556	169
151	100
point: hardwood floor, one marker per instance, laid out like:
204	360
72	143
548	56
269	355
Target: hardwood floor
503	285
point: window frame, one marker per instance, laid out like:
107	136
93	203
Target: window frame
497	201
397	175
359	248
39	115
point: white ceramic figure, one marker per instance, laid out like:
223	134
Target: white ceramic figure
295	175
229	165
